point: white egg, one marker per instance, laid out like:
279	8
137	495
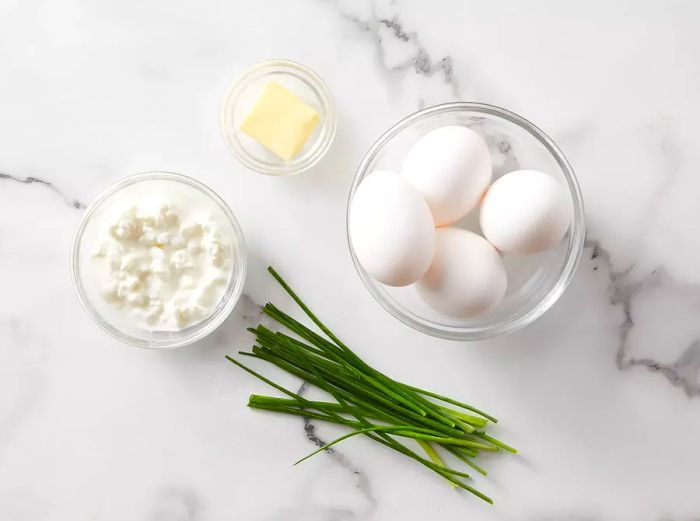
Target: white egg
391	229
451	166
466	278
525	212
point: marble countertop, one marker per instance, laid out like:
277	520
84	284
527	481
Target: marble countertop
601	395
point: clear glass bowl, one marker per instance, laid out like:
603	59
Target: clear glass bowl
134	335
534	282
243	93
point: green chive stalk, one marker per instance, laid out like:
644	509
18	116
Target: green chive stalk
366	400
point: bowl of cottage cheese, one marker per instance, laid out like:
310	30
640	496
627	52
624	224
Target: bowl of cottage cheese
158	260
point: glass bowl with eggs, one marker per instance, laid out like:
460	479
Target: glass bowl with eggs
158	260
465	221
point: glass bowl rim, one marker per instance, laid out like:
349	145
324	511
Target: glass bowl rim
574	246
200	330
328	122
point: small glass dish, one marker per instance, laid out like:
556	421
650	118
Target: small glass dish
243	93
83	249
534	282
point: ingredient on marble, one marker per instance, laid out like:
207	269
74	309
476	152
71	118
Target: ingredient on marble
466	278
280	121
451	167
525	212
167	269
367	401
391	229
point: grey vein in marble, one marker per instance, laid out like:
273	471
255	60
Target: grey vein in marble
504	157
684	372
252	313
361	480
419	60
35	180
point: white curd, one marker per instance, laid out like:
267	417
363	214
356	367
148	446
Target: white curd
161	257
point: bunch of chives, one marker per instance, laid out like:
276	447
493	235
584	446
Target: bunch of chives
367	401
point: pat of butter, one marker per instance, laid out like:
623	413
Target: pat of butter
280	121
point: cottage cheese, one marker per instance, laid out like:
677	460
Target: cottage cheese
162	263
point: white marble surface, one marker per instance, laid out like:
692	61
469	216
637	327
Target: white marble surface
601	395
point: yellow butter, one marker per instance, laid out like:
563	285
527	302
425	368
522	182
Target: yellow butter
280	121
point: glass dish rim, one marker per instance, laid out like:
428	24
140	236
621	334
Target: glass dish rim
199	330
574	247
315	83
